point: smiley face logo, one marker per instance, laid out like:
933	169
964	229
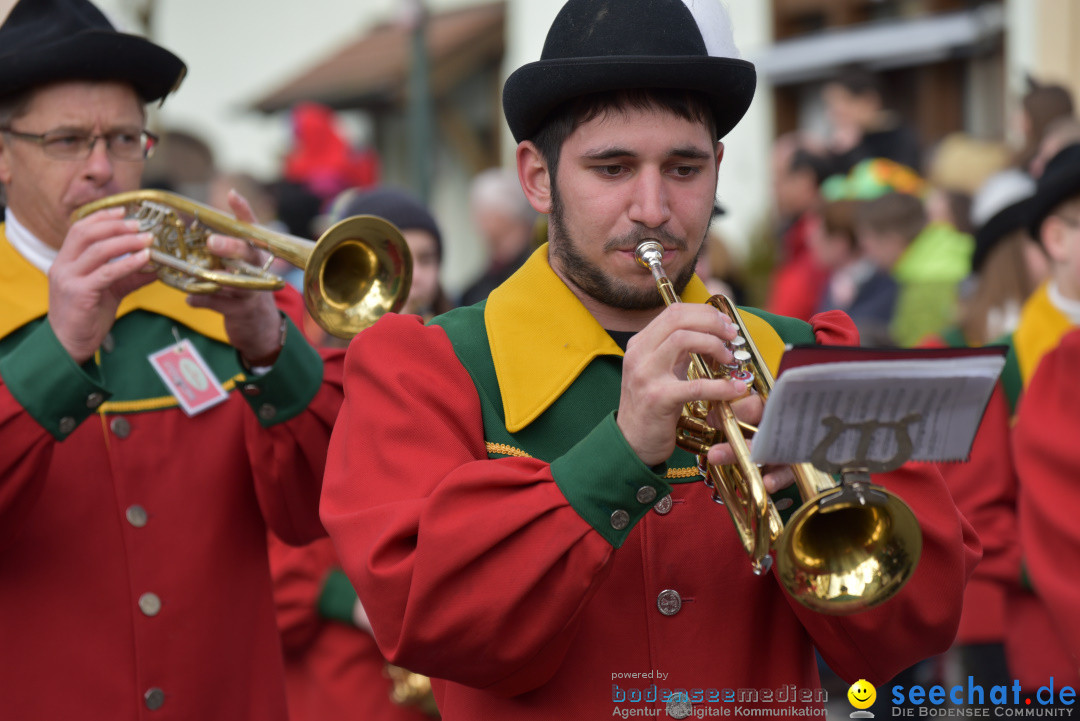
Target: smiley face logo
862	694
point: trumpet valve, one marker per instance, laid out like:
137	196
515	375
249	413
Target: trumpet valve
741	369
763	566
695	435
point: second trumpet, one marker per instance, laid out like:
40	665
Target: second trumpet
848	547
355	272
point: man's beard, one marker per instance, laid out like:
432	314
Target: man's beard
592	279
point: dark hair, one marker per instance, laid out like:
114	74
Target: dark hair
1045	103
1042	104
959	210
562	121
893	213
14	106
858	81
1003	277
804	160
838	218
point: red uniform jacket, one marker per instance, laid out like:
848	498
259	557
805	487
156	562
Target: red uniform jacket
984	488
476	567
1046	445
133	572
1035	639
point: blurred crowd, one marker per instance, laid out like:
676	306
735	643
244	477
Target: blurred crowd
906	238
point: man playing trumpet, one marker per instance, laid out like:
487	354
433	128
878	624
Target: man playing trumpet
133	572
526	532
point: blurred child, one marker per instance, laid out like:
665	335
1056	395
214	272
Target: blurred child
1007	265
1046	354
856	285
418	226
797	281
927	260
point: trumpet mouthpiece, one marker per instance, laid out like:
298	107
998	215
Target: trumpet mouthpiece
649	252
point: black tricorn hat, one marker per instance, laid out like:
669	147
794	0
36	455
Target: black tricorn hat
46	41
602	45
1059	182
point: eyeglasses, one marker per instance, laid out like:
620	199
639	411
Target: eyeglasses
75	145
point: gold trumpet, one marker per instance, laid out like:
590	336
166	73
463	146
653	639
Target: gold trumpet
412	689
850	545
355	272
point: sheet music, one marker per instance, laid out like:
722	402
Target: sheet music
873	407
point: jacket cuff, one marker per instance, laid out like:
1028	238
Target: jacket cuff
57	392
290	385
338	598
607	484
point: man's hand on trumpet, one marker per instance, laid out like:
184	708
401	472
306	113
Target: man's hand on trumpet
97	265
655	387
252	320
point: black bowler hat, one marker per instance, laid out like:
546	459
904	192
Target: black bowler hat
602	45
1059	182
999	207
45	41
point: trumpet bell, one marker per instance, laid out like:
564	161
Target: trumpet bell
842	556
359	270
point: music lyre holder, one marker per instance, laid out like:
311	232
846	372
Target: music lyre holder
855	471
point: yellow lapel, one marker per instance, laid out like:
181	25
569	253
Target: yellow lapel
23	288
25	291
1039	331
542	338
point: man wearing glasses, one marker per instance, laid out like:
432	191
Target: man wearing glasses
133	573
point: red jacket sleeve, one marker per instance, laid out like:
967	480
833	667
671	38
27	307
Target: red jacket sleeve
470	569
288	458
1046	446
985	491
298	574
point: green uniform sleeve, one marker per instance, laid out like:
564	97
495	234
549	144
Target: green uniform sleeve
59	393
607	484
338	598
290	385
